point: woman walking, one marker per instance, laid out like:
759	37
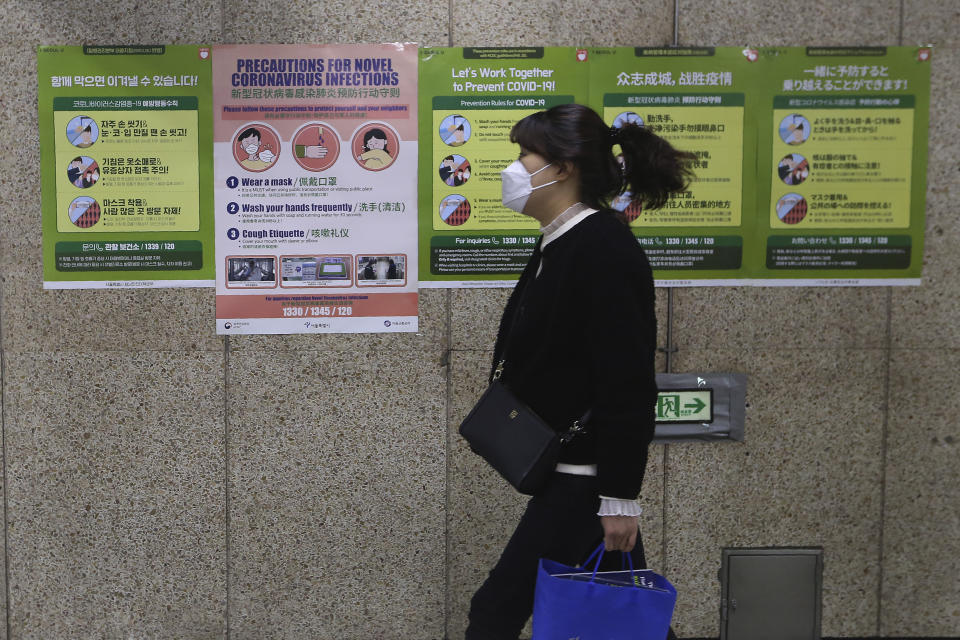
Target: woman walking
578	334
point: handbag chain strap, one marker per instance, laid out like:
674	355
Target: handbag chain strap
569	434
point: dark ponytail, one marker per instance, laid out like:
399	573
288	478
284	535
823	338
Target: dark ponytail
576	135
653	170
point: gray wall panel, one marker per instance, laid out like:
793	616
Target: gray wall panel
921	594
808	474
337	469
115	494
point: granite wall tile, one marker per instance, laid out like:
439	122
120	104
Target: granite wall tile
808	475
931	21
20	34
475	317
337	22
943	161
100	320
921	527
73	22
555	23
780	317
760	23
115	494
143	22
337	469
926	316
651	501
34	319
3	544
21	31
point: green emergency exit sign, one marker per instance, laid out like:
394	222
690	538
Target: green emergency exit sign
685	405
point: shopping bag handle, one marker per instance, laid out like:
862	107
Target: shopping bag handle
625	559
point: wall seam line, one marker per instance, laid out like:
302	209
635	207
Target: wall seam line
883	458
884	432
449	28
226	479
900	34
446	461
6	486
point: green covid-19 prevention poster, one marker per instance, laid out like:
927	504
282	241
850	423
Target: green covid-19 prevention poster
469	100
809	162
126	158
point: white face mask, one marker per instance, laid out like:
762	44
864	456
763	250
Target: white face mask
516	187
251	148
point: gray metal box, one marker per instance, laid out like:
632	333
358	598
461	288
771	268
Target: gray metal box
771	593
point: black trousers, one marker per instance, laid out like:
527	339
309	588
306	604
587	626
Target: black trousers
560	523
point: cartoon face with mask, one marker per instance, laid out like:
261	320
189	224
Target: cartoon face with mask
253	153
250	142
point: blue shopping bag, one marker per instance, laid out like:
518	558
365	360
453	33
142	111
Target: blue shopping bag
575	602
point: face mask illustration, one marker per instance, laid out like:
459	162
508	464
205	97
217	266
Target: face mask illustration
516	187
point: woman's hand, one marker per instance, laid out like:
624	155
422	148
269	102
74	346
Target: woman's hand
620	532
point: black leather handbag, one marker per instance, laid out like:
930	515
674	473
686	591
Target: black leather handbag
513	438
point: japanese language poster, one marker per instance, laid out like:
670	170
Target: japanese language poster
315	163
809	169
125	166
842	161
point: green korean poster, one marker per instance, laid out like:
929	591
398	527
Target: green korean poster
126	158
469	100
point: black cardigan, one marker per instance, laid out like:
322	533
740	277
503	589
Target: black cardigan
582	335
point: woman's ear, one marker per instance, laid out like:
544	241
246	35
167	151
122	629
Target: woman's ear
565	170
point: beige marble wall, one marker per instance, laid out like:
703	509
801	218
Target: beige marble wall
921	532
115	520
160	481
113	401
337	468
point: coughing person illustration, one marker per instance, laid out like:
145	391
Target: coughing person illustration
376	155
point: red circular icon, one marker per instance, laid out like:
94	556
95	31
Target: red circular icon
316	146
256	147
375	146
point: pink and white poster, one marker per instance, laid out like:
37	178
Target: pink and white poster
315	173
